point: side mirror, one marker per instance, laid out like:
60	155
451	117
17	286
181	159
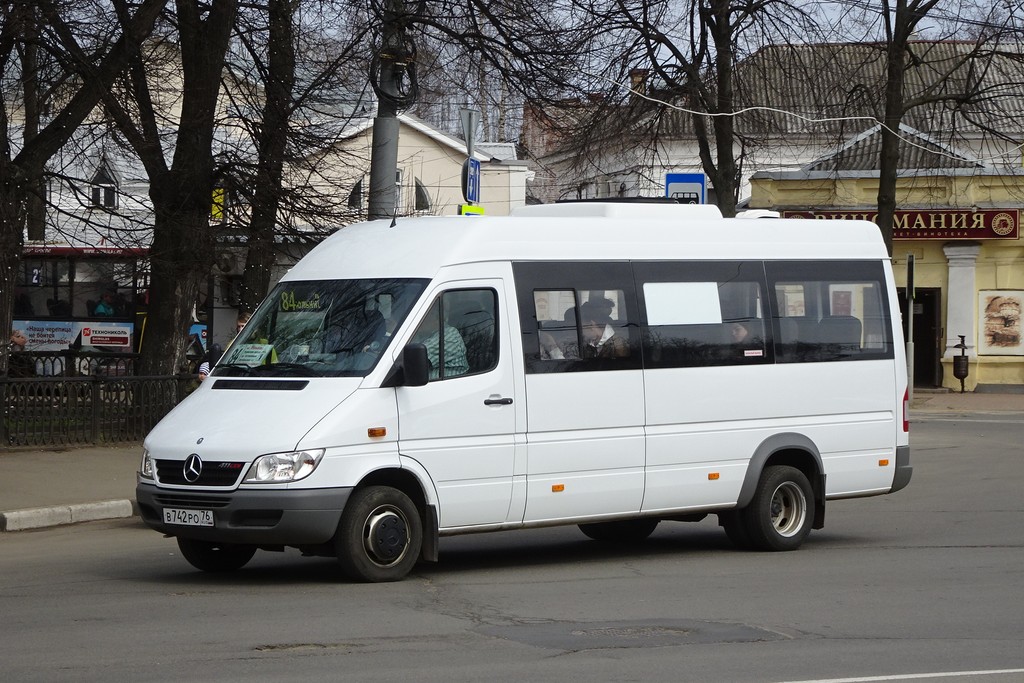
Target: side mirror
415	367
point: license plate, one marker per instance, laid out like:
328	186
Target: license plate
188	517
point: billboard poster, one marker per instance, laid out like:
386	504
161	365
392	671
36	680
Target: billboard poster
999	326
59	335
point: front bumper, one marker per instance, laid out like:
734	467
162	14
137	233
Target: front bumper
289	517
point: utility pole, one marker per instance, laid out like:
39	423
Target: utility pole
393	77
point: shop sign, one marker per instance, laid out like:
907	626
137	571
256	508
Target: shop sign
943	224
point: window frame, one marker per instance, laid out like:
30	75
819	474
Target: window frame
580	277
824	275
720	350
442	305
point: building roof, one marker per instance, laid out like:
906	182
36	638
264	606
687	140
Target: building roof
846	83
824	89
918	151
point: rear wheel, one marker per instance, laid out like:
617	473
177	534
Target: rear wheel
625	531
380	535
780	515
215	557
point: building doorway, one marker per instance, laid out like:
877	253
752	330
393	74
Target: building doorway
928	338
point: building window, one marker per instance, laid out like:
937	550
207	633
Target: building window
422	197
104	189
355	197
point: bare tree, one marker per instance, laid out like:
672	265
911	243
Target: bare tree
181	191
959	84
497	55
278	65
304	72
670	71
28	27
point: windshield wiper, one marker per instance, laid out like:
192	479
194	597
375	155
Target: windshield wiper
245	369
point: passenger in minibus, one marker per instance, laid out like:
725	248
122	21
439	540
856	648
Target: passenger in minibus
455	361
739	333
599	337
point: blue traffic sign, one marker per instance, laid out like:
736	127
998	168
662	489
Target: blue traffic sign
686	188
471	181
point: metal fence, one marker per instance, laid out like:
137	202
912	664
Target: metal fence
98	409
73	363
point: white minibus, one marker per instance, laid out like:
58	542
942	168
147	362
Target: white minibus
606	365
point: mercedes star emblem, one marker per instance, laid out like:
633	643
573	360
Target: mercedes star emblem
193	468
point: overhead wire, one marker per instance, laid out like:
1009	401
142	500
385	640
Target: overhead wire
802	117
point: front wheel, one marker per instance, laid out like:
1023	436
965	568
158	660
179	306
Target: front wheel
215	557
780	515
625	531
380	535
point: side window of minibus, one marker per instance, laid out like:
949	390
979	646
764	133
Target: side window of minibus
581	325
703	314
834	311
558	334
577	316
469	342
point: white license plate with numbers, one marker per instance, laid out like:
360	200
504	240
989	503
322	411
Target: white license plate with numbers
188	517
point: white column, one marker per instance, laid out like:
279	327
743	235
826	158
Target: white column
961	295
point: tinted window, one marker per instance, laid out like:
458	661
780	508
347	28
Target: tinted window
827	311
469	344
577	316
698	314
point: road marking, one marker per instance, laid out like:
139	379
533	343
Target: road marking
908	677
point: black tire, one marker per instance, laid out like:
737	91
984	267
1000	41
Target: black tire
734	529
215	557
781	513
625	531
380	535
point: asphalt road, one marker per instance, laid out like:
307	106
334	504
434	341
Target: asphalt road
929	580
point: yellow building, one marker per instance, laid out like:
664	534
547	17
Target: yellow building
960	221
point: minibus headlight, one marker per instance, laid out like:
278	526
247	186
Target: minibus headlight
146	467
283	466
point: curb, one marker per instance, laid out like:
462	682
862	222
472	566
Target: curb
59	515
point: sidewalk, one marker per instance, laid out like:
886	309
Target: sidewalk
52	487
927	402
44	488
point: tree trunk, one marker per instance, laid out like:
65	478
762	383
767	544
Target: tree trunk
182	254
11	220
20	177
35	208
273	140
724	34
889	158
180	260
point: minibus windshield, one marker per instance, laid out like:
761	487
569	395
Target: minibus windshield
321	328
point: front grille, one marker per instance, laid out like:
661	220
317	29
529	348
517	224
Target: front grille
191	501
213	474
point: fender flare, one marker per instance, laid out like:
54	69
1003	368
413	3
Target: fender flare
769	447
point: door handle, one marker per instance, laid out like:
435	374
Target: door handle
497	401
